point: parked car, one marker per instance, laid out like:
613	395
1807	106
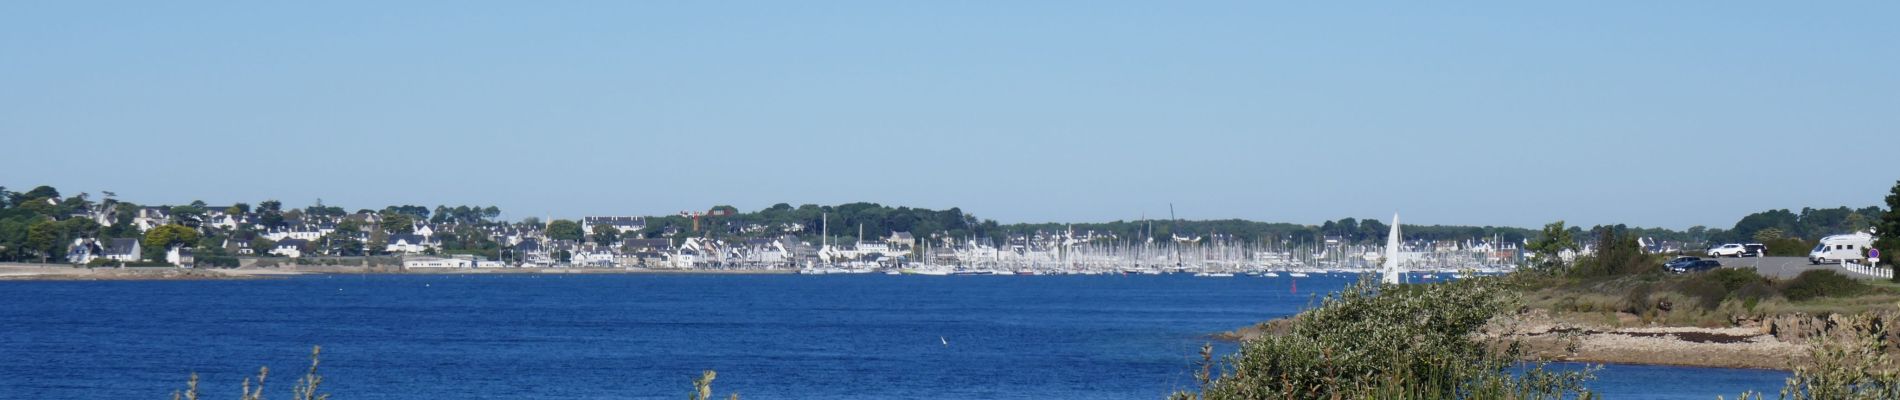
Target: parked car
1728	250
1696	266
1683	261
1754	250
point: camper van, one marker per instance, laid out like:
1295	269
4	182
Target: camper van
1835	248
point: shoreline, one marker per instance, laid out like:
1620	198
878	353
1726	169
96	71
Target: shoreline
60	272
1543	339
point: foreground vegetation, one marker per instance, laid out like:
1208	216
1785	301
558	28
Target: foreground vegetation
1715	298
308	387
1370	341
1443	341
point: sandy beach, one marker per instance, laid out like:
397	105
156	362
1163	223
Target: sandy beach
1732	347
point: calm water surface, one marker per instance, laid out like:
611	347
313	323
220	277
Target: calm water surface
647	336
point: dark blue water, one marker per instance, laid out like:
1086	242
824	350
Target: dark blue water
647	336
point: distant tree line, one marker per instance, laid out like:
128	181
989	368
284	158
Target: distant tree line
37	225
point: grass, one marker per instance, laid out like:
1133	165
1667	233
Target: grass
309	387
1705	299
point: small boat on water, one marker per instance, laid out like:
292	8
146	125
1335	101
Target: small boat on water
1297	274
1214	275
1270	275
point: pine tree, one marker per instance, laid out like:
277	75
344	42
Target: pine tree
1889	230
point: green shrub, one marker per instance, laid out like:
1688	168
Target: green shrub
1637	301
1733	279
1708	293
1853	369
1367	341
1753	293
1821	283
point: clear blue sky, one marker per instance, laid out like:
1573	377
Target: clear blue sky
1507	113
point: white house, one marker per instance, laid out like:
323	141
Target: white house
531	252
436	262
407	244
305	232
180	256
123	250
225	221
624	224
593	256
901	240
84	250
239	247
292	248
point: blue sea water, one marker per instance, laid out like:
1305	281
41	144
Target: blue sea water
648	336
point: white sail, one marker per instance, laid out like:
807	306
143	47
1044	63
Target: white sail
1391	274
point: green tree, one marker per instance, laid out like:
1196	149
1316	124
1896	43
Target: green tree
1768	235
341	243
74	228
43	239
562	229
398	224
378	242
13	244
191	215
41	193
1617	253
605	234
1889	230
166	236
349	225
1550	245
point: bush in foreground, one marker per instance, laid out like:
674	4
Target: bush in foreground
1822	283
1388	342
1858	368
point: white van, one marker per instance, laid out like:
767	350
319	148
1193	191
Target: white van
1841	247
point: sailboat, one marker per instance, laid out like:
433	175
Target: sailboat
1391	275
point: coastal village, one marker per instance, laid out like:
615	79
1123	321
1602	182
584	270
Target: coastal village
809	239
113	233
